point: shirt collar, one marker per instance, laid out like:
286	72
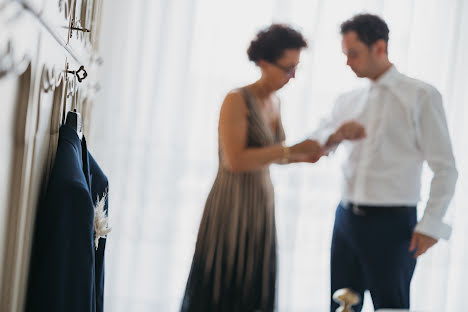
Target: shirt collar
387	78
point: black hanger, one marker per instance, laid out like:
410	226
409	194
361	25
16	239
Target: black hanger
73	120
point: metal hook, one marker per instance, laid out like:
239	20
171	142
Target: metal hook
77	73
73	27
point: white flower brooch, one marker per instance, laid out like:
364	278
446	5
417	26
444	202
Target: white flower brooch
101	226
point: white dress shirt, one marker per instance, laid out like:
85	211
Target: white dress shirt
405	125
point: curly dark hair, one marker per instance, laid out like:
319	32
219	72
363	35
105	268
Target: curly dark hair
270	43
368	27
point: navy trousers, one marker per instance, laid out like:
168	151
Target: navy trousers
370	252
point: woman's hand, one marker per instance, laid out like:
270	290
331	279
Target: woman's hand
306	151
350	130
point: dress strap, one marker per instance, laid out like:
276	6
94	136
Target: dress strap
247	98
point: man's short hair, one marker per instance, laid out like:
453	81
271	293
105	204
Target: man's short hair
368	27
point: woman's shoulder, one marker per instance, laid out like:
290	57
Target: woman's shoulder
236	96
235	102
239	91
242	97
235	92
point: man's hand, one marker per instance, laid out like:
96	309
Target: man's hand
420	243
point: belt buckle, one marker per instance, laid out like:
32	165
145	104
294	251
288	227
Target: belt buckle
358	211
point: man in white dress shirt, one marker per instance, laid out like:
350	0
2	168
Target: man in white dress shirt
389	129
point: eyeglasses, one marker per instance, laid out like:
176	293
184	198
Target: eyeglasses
289	71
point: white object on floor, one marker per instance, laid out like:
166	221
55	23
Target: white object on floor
396	310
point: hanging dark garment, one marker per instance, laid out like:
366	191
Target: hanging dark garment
66	270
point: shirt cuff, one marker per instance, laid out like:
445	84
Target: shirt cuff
433	227
321	136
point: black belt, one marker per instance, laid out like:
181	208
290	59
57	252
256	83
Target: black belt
368	210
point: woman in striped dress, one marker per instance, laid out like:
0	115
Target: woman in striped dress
234	265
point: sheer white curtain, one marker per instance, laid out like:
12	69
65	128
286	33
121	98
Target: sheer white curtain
168	65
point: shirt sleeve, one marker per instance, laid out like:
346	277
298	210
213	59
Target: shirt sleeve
329	124
434	141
